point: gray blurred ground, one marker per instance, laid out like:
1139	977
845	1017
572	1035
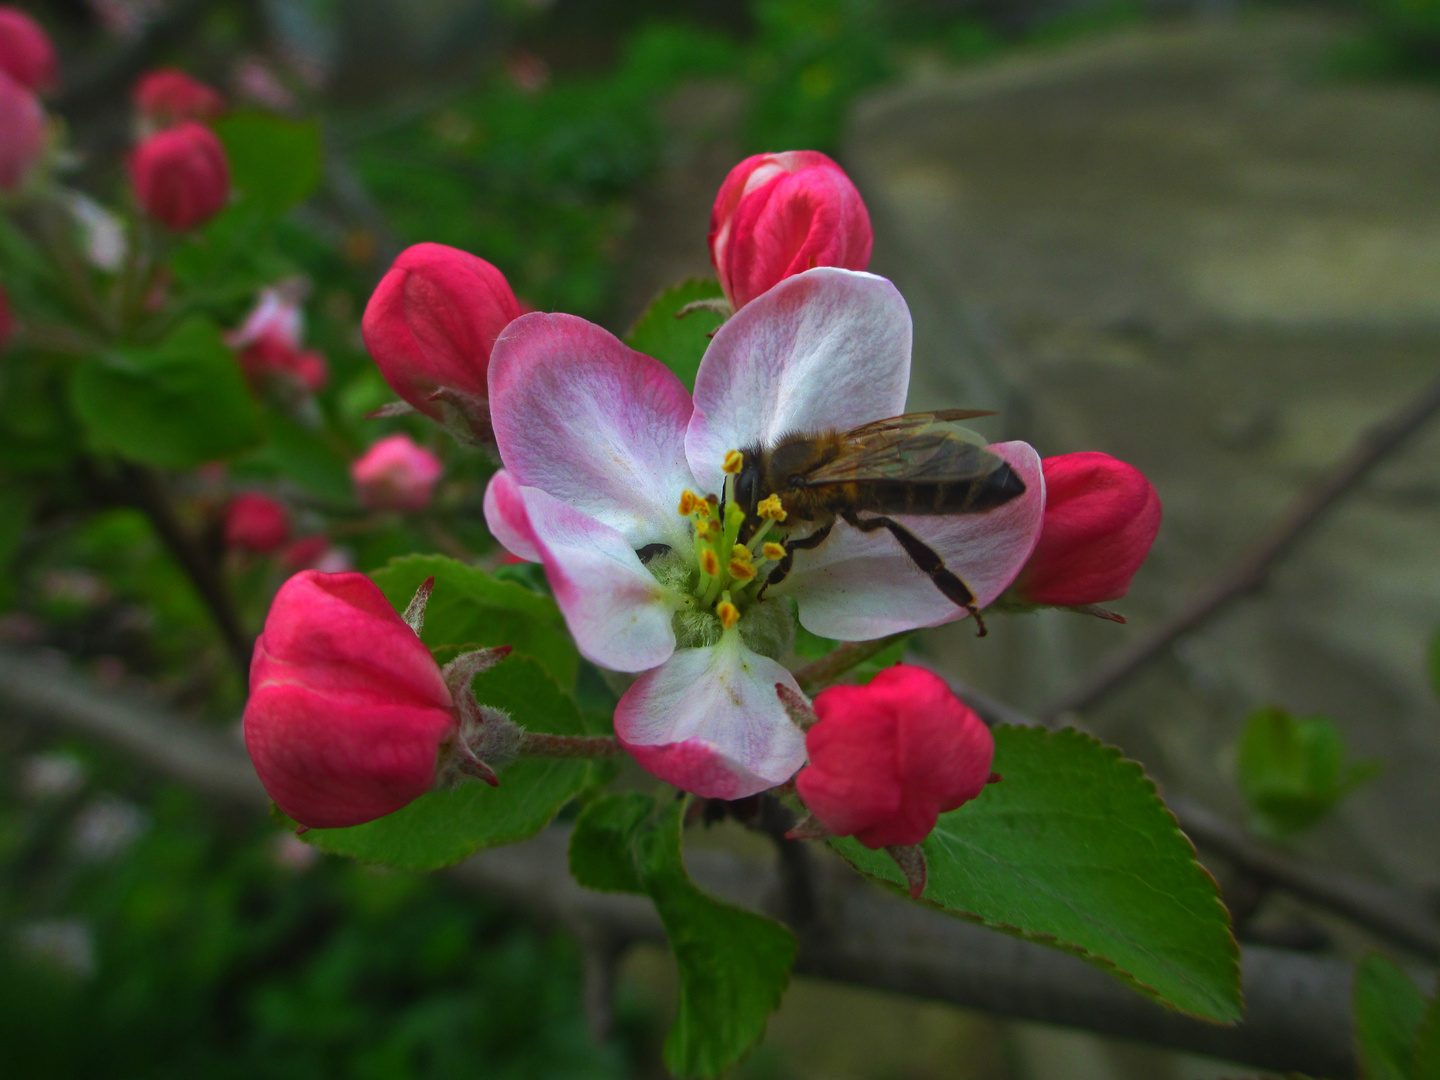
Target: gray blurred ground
1197	248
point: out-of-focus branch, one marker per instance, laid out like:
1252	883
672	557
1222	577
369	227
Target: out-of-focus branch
1252	570
1297	1006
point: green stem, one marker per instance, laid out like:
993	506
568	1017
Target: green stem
542	744
821	673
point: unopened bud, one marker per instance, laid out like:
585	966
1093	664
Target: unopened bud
181	176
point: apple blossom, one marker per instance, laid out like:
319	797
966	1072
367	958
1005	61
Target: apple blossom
181	176
255	522
26	54
166	96
887	758
278	314
605	458
396	474
781	214
22	133
1101	516
273	358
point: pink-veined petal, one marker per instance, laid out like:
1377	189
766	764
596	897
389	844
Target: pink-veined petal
708	721
826	349
597	425
857	586
617	612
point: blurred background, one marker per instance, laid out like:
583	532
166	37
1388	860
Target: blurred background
1201	235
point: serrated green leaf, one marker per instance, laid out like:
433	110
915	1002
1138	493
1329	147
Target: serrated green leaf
1388	1011
679	344
177	404
470	609
601	853
274	162
1425	1062
734	964
444	827
1073	848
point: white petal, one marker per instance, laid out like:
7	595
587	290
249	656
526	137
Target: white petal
826	349
617	612
709	721
599	426
856	586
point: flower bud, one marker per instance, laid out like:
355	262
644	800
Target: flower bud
1101	516
396	474
782	214
887	759
256	523
433	320
273	358
348	711
26	54
181	176
278	313
166	96
22	133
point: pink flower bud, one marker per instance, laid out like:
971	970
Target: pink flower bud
433	320
22	132
273	358
256	523
887	759
782	214
278	313
396	474
348	711
26	54
1101	516
181	176
306	552
166	96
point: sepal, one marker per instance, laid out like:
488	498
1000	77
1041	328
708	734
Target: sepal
911	861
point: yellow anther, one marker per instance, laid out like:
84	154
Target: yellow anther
770	508
706	529
710	562
734	462
773	551
703	509
728	613
688	499
740	553
742	571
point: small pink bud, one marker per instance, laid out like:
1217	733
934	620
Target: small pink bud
256	523
396	474
887	759
22	133
1101	516
348	711
305	553
166	96
181	176
271	358
278	313
26	54
782	214
433	320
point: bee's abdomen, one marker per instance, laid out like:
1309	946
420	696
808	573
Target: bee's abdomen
958	497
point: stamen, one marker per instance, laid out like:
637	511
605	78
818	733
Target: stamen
770	509
734	462
688	499
703	507
742	571
741	552
710	562
727	612
706	529
773	551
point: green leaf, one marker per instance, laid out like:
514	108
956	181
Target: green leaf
274	162
1425	1063
1388	1011
1435	663
444	827
1073	848
176	405
1292	770
679	344
16	504
734	964
306	456
471	609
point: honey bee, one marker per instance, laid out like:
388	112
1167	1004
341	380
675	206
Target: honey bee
919	463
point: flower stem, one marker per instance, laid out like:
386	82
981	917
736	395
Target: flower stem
542	744
821	673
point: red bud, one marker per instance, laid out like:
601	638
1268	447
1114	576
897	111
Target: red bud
1101	516
781	214
433	320
887	759
181	176
166	96
396	474
256	523
348	711
22	132
26	54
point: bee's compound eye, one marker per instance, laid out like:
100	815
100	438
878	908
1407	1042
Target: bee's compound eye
747	487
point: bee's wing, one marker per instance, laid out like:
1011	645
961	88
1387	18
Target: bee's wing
919	447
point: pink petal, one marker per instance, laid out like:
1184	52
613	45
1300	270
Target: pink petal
617	612
708	721
597	425
827	349
857	586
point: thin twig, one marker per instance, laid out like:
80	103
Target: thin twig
819	674
1251	571
542	744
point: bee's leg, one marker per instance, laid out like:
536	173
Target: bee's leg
924	556
782	568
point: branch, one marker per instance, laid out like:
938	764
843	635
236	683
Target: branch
1386	913
819	674
1297	1006
1252	570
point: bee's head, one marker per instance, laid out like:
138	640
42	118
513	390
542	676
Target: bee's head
749	483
